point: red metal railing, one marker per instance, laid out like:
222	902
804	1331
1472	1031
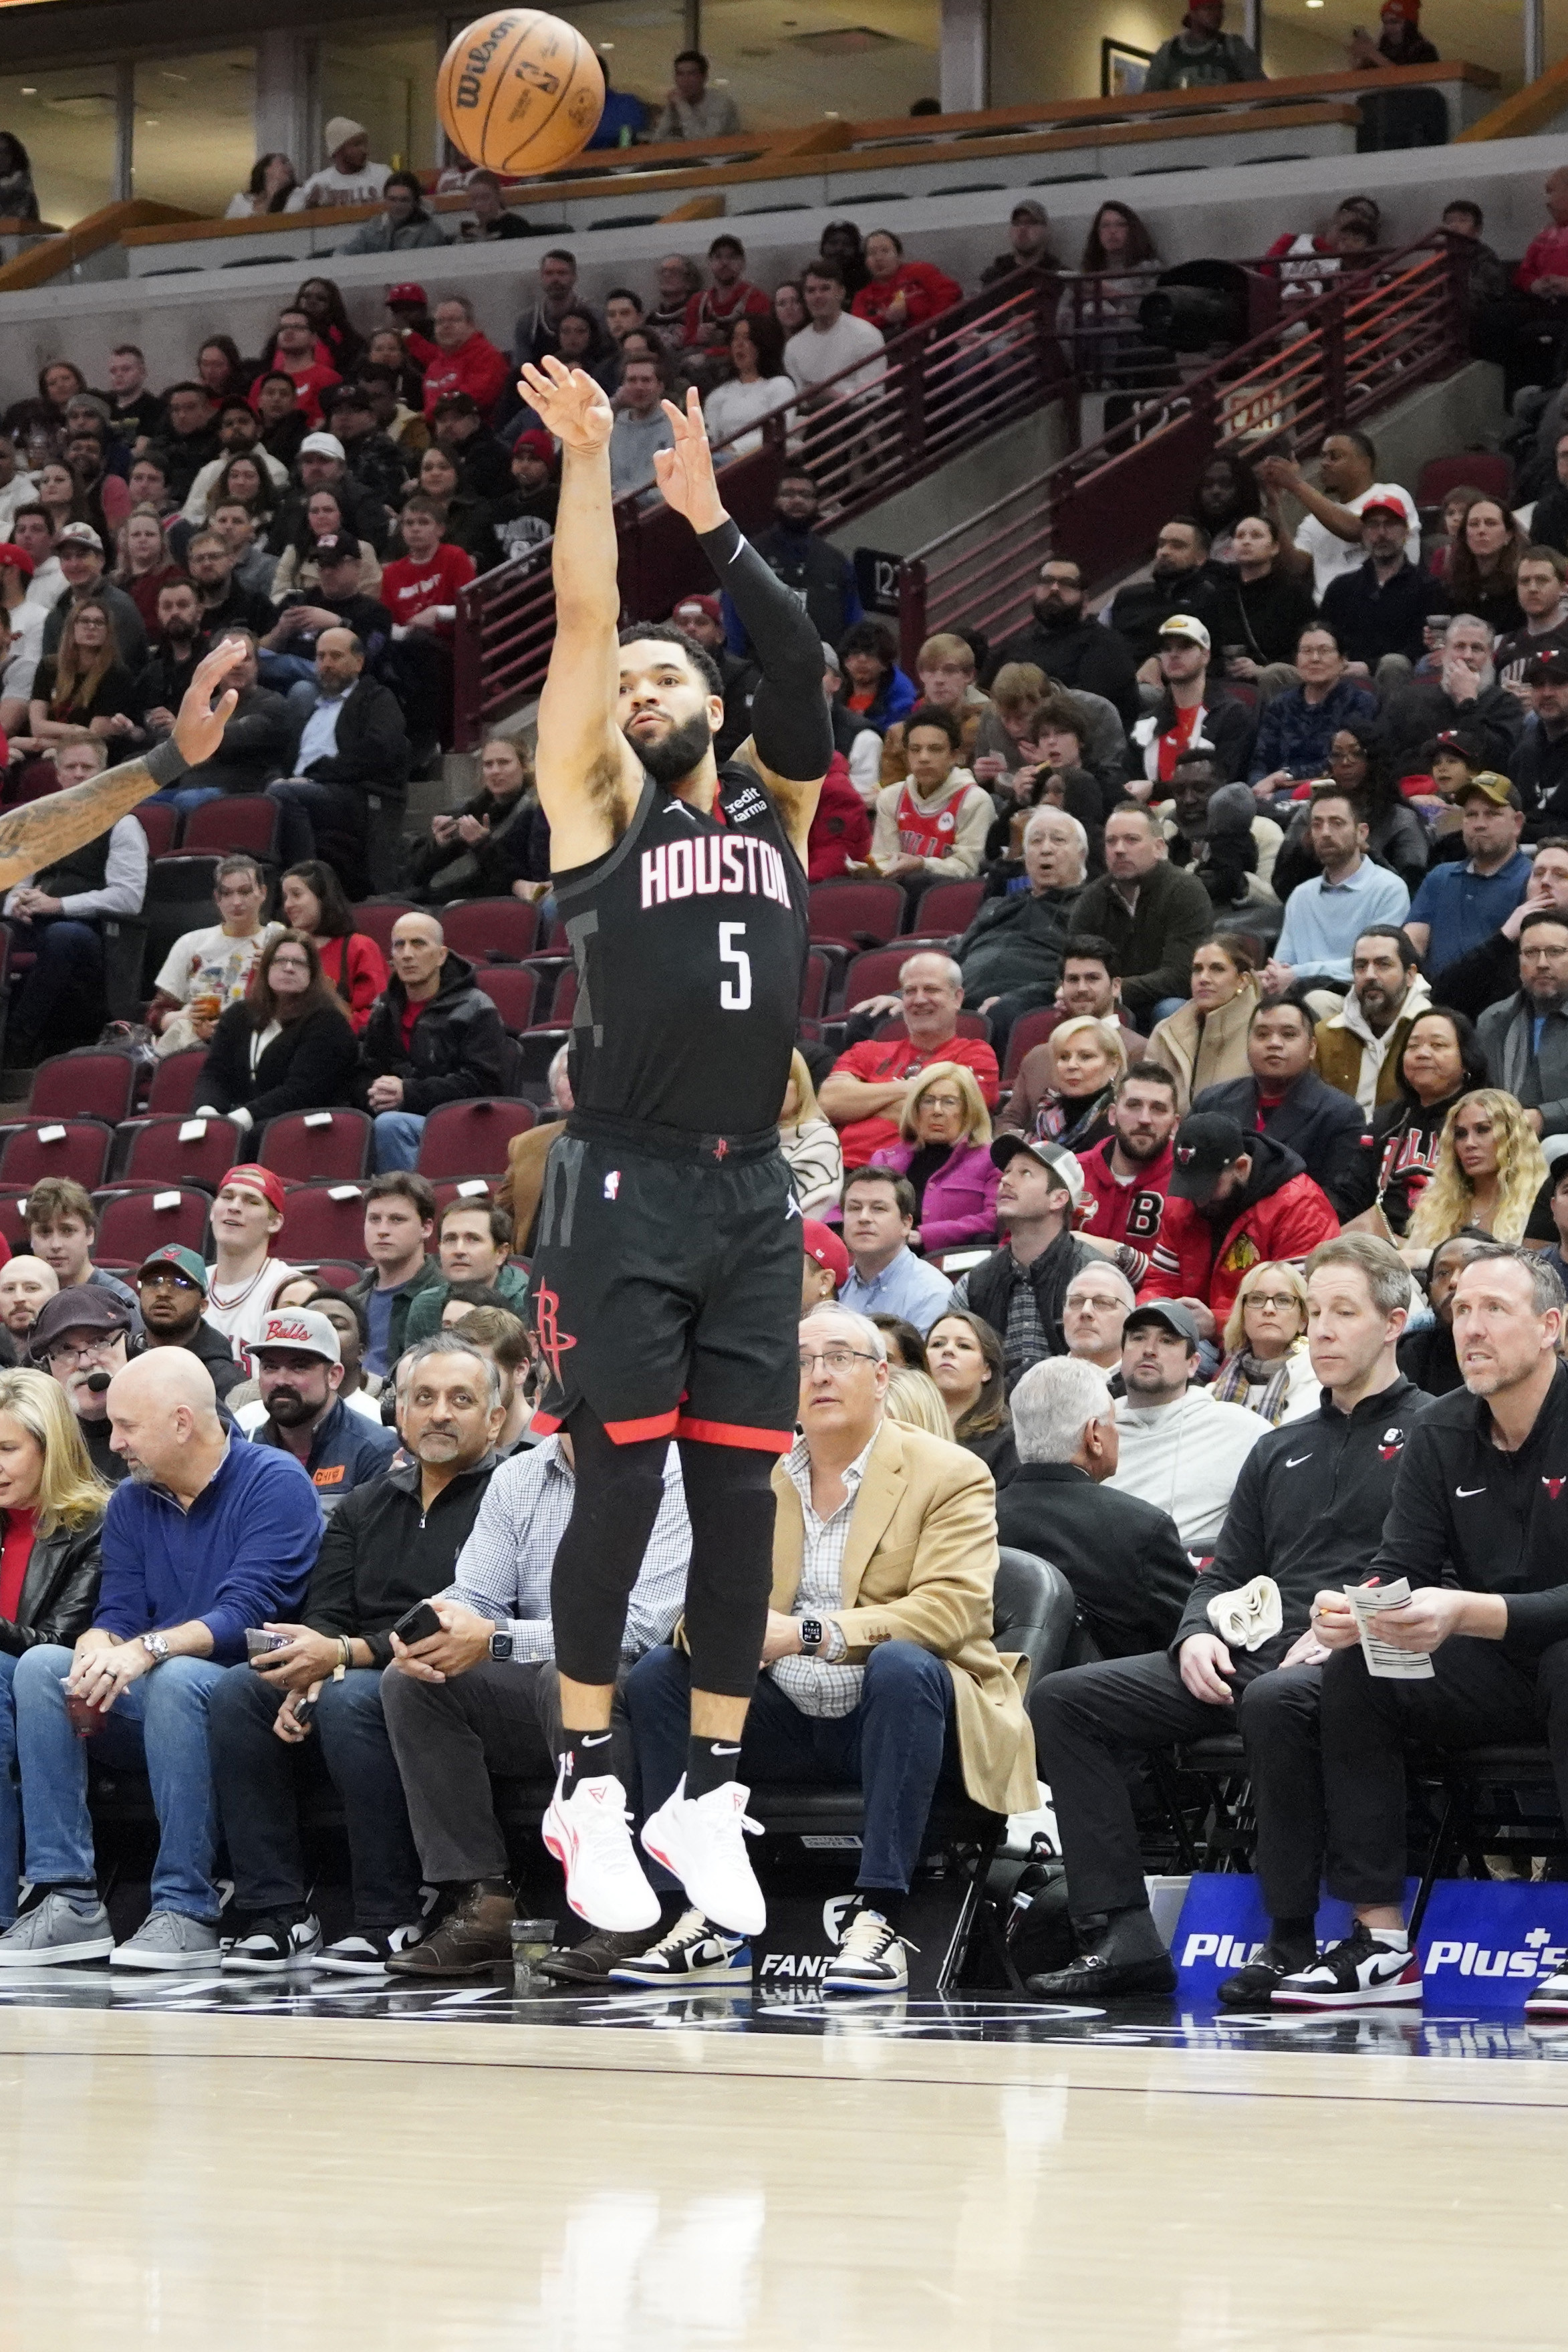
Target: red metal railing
1323	363
935	390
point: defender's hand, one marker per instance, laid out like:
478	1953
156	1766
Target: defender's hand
685	474
568	404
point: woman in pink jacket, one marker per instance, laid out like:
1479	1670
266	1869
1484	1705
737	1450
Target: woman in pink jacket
902	293
944	1149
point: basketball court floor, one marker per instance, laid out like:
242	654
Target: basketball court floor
192	2165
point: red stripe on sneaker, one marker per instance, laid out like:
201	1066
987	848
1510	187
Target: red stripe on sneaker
734	1433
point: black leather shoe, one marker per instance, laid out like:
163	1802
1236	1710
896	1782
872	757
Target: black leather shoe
1120	1955
1254	1986
590	1962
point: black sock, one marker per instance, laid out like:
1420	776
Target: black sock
588	1756
710	1763
886	1900
1297	1938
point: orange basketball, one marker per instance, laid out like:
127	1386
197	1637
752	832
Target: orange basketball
520	91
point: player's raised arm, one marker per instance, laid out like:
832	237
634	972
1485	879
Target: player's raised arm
43	831
791	738
588	776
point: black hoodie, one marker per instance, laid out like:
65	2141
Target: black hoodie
457	1049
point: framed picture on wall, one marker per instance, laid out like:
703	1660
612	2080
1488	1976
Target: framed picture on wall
1123	70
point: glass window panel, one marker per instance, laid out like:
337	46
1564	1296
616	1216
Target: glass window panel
387	85
64	117
789	61
195	138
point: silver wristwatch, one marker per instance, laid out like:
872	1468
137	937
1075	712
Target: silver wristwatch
156	1647
813	1634
501	1648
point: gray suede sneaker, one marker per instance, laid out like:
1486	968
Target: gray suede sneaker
167	1940
57	1933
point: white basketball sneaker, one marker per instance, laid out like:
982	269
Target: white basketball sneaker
590	1836
702	1841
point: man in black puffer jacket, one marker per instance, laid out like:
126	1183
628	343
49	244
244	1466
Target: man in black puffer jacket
432	1038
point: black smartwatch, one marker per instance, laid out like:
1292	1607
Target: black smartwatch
501	1648
813	1634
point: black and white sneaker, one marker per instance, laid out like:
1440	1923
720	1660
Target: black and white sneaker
1550	1998
1354	1974
871	1958
271	1948
1253	1986
694	1951
366	1952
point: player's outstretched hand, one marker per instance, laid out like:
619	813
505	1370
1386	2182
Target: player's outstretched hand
569	403
685	474
198	728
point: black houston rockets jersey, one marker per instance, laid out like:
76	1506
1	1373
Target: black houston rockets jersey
690	940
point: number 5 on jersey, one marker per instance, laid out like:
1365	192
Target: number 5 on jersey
734	995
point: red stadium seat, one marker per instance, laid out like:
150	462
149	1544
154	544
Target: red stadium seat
174	1082
76	1147
179	1151
563	1003
13	1224
131	1225
945	909
482	928
874	973
1029	1030
814	987
160	822
1475	469
376	917
511	989
240	821
88	1084
310	1146
470	1139
338	1272
324	1220
464	1187
856	914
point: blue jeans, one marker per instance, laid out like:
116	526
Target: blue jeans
158	1726
895	1745
186	797
260	1780
394	1139
10	1810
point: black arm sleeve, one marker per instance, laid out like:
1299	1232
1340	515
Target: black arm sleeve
790	721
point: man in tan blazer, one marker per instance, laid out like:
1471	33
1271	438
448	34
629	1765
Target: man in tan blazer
879	1671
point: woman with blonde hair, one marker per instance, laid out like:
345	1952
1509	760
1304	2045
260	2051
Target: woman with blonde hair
1088	1058
810	1143
1206	1041
944	1149
1488	1170
966	1363
1266	1366
51	1518
915	1399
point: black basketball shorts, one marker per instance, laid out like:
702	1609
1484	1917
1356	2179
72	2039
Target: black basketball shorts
665	1285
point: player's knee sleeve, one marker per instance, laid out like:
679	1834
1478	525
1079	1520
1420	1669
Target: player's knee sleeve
618	1489
729	1500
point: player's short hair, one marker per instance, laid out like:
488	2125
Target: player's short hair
665	632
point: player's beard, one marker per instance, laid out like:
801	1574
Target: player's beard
675	755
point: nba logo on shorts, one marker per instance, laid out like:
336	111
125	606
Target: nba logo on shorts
612	1185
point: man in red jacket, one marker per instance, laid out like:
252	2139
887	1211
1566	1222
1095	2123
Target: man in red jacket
460	358
1127	1178
1234	1201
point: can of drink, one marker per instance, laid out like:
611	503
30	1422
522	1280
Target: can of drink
532	1941
257	1644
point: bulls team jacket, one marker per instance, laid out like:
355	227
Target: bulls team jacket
1467	1513
1129	1212
1309	1507
1283	1218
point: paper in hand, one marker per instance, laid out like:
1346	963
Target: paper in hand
1250	1616
1383	1659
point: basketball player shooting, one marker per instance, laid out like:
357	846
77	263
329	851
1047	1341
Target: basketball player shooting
667	1280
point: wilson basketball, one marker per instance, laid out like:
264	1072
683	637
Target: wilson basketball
520	91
